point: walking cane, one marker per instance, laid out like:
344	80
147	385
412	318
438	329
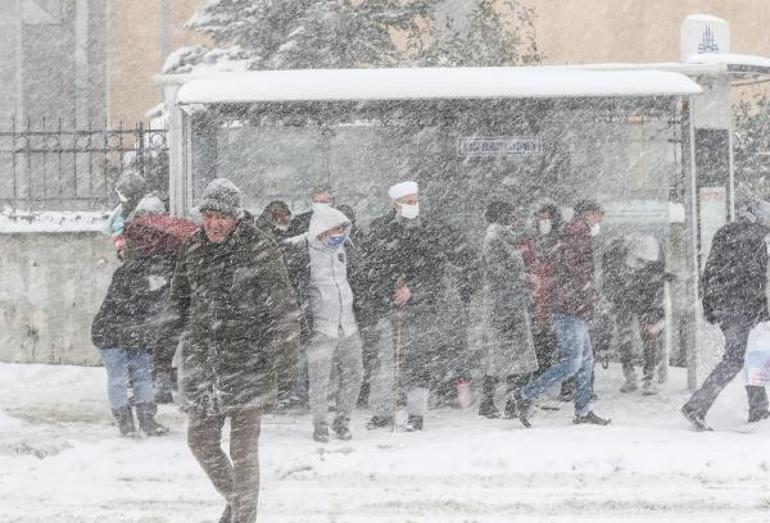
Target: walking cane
397	364
397	360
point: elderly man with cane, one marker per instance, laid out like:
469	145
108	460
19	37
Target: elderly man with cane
407	258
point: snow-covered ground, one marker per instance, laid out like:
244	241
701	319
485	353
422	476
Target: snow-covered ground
61	461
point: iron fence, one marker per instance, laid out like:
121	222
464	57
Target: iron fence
58	166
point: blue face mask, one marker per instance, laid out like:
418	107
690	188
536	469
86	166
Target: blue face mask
335	240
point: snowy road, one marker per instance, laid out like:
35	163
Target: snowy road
60	461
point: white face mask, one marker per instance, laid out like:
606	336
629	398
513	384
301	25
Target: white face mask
281	227
596	229
320	205
408	211
544	226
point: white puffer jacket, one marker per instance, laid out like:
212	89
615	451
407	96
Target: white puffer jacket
330	294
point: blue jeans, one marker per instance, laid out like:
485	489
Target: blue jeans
122	364
575	358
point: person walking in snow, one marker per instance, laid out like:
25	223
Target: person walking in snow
275	219
734	297
322	196
321	258
124	331
634	274
571	311
539	252
232	300
407	258
507	338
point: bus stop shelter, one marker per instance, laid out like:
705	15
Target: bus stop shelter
624	137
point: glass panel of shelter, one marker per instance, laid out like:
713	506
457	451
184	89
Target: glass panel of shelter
624	153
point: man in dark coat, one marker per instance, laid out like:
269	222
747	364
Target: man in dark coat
232	300
733	293
408	257
571	309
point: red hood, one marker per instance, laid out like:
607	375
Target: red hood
159	233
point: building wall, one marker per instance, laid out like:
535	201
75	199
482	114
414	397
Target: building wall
568	32
587	31
52	286
141	36
53	61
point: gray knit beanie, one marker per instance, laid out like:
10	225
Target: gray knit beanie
221	195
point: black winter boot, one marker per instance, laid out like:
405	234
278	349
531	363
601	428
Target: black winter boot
145	413
525	411
514	384
321	433
125	419
341	428
567	392
697	419
758	415
591	419
487	405
378	422
511	409
757	403
413	424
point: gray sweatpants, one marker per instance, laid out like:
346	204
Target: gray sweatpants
345	355
419	333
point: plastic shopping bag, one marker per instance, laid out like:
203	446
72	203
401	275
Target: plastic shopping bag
758	355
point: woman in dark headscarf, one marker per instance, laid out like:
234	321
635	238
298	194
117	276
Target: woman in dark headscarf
507	338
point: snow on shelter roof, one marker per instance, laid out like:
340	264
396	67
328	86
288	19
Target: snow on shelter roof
430	83
731	60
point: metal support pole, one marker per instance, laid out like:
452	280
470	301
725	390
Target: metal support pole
140	148
179	182
692	307
28	154
731	185
13	165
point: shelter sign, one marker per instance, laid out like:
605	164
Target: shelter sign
498	145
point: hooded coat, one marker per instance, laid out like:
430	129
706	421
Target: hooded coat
320	276
507	338
234	305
